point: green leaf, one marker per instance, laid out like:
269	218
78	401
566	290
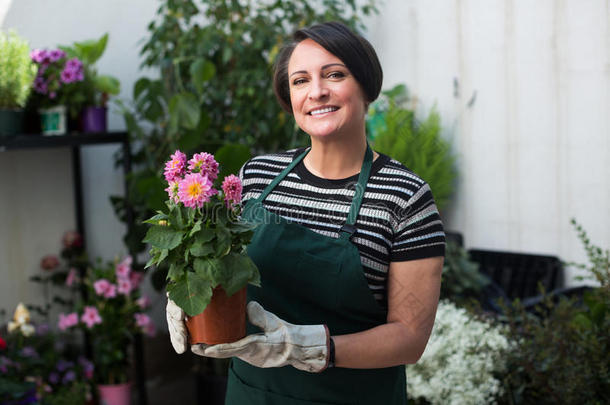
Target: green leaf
175	216
240	270
231	158
192	293
199	249
196	228
212	270
201	71
107	84
205	235
154	220
163	237
223	243
184	111
176	270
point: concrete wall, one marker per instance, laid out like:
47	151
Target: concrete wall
533	149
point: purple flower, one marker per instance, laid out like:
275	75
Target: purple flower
68	76
39	55
29	351
40	85
52	95
74	64
62	365
42	329
69	377
87	367
56	54
53	378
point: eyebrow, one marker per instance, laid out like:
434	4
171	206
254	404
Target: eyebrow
323	68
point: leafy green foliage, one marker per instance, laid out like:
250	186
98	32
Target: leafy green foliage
204	248
418	145
17	71
562	356
214	88
461	279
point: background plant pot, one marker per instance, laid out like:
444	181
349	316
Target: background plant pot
11	122
94	119
114	394
222	321
53	120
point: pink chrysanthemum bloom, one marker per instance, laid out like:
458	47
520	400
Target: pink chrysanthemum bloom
194	190
123	269
174	168
124	286
205	164
231	186
91	317
67	320
172	191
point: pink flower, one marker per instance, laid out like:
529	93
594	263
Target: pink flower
124	286
204	163
110	292
67	320
124	268
136	278
143	302
194	190
72	239
231	186
101	286
56	54
72	277
91	317
172	191
144	322
174	168
49	262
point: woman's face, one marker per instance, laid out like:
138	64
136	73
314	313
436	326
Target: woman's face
326	99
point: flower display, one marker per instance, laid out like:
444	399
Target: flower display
67	320
461	360
49	262
56	77
21	321
203	225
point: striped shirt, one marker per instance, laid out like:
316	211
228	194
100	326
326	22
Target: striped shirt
398	219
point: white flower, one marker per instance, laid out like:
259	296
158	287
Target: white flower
460	360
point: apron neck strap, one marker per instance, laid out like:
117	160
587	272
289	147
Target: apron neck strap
348	229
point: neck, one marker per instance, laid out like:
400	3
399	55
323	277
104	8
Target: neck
334	159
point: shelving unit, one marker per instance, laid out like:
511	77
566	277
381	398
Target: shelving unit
75	141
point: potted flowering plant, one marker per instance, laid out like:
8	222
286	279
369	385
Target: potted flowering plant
204	243
111	314
54	87
94	90
36	367
17	74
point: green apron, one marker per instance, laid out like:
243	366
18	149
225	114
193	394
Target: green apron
308	278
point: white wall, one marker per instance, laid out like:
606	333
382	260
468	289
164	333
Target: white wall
534	149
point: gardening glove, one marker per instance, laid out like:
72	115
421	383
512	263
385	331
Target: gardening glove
302	346
176	326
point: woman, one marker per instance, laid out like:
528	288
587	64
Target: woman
350	246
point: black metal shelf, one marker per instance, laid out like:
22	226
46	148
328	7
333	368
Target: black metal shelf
33	141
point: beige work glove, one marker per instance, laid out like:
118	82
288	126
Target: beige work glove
176	326
302	346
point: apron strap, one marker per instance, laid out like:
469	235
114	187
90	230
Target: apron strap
348	229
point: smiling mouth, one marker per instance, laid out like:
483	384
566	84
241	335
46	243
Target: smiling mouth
323	111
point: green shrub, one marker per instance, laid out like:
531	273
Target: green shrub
461	280
17	71
417	144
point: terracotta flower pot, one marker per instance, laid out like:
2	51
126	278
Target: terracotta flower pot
222	321
115	394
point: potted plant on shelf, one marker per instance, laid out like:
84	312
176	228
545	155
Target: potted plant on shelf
17	73
55	85
204	243
111	314
95	89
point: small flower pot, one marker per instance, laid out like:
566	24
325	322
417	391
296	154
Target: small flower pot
114	394
11	122
222	321
93	119
53	120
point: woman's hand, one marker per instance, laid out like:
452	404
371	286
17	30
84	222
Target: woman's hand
176	326
302	346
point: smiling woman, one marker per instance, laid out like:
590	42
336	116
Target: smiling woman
349	245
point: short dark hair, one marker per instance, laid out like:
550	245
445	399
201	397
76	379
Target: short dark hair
353	50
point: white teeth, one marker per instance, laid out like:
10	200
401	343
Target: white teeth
323	110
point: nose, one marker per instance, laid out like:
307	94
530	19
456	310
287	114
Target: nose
318	89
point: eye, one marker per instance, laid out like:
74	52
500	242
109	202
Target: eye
336	75
298	81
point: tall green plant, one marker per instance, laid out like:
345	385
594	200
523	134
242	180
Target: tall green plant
17	71
214	86
416	144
